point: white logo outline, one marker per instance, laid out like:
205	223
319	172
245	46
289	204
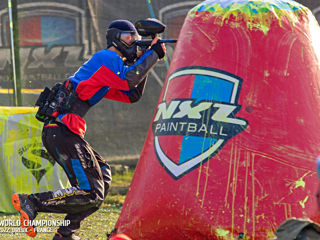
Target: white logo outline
179	170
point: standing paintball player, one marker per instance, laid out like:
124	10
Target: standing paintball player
118	73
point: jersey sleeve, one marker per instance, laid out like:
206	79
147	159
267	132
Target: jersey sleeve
105	74
130	96
137	72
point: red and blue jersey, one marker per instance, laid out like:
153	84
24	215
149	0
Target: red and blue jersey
105	75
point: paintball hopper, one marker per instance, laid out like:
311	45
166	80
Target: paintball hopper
151	27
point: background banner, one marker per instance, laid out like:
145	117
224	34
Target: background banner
25	165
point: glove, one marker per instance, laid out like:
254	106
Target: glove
157	47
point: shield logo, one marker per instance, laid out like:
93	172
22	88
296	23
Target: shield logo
196	117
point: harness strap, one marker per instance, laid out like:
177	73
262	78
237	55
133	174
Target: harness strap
79	107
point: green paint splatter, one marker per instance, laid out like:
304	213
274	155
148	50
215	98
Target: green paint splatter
258	14
303	202
300	183
222	233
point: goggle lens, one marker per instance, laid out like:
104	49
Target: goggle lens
129	37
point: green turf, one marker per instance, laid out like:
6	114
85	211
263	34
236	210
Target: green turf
94	227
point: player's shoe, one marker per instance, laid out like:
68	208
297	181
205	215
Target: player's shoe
28	212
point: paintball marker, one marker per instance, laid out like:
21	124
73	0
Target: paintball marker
150	27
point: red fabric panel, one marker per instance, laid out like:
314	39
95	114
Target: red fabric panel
101	78
30	31
175	91
75	123
55	114
175	142
117	95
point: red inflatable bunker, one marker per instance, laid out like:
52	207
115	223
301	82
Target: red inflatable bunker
231	151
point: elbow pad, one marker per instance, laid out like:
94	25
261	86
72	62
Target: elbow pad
140	71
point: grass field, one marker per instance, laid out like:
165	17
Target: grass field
94	227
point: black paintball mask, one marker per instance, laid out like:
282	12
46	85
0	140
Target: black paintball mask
123	36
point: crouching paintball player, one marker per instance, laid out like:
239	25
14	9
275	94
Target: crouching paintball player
118	72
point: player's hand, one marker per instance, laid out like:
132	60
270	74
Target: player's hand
159	48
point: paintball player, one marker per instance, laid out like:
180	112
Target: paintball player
118	73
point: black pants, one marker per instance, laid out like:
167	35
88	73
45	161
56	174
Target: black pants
88	173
